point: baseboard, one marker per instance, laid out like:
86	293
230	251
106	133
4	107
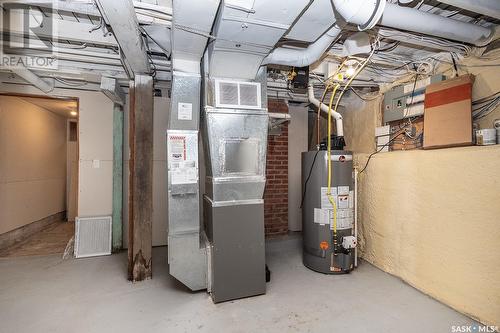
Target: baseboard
18	235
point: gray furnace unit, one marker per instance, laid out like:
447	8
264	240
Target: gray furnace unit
235	122
320	253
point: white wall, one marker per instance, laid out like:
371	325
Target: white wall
32	163
297	144
95	185
96	144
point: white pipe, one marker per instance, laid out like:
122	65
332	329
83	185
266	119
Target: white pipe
366	13
406	18
303	57
338	117
489	8
34	79
356	216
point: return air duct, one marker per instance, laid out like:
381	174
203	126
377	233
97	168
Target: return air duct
246	31
225	252
366	13
187	245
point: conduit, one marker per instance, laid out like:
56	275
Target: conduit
324	108
367	13
303	57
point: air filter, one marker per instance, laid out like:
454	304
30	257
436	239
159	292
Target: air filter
92	236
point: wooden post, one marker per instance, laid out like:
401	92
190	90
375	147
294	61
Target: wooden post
141	178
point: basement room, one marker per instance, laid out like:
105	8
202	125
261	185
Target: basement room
250	166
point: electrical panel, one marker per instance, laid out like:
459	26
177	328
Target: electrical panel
407	100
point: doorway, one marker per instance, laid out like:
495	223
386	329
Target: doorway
38	174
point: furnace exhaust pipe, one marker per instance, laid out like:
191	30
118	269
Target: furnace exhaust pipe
324	108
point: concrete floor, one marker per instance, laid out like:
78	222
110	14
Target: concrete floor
46	294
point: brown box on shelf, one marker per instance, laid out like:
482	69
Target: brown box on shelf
448	113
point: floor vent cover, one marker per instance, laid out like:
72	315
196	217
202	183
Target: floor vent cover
92	236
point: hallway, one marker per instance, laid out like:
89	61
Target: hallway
51	240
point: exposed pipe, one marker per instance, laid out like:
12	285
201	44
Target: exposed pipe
303	57
366	13
324	108
34	79
489	8
411	19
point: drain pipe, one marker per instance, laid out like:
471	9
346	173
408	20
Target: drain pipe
303	57
366	14
324	108
489	8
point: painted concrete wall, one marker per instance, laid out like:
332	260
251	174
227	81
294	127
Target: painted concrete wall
32	163
433	217
96	155
297	143
96	143
160	216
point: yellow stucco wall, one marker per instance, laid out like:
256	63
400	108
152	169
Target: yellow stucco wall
433	219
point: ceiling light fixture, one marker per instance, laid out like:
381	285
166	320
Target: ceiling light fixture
73	113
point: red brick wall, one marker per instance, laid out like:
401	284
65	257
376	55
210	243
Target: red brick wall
276	192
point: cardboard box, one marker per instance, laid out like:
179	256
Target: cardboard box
448	113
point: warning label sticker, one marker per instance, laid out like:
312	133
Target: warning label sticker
345	218
177	148
183	168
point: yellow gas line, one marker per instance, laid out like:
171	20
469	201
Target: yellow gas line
329	153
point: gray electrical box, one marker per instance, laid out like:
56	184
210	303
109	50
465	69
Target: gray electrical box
399	103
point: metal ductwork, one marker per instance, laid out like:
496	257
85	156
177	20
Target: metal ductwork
224	252
246	31
303	57
34	79
187	244
489	8
366	14
324	108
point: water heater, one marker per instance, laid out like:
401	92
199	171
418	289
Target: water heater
328	223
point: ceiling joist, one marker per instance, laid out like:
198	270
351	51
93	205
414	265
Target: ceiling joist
120	15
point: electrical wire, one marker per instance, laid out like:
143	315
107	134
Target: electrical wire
364	98
329	153
378	151
307	179
328	85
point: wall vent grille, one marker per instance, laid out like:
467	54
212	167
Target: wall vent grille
92	236
236	94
